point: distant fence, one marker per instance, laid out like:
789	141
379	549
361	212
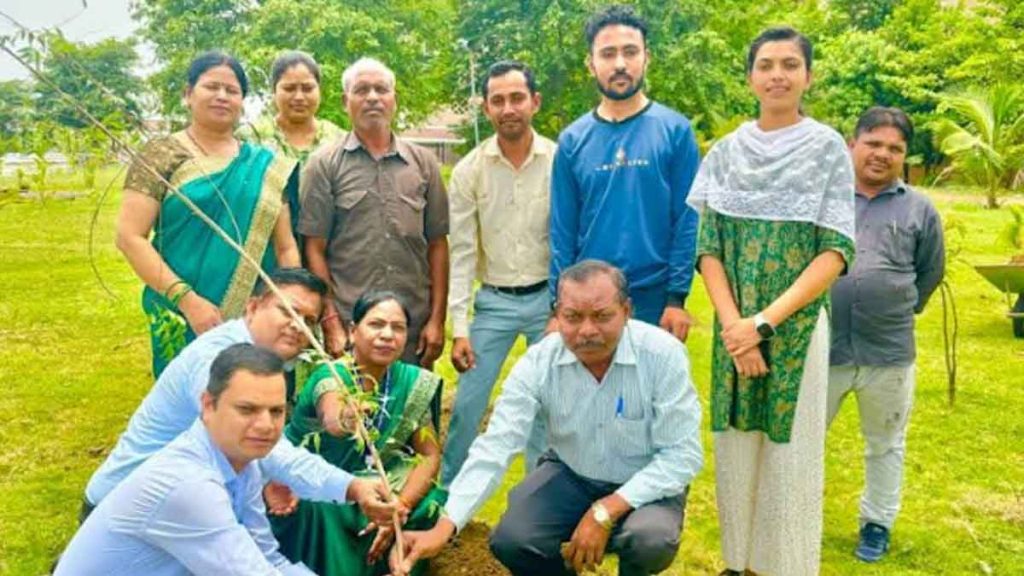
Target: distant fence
12	162
443	148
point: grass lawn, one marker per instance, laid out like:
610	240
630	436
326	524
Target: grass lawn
74	365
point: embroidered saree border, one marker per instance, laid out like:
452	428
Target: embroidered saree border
261	230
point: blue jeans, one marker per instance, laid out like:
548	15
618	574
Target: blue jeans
498	320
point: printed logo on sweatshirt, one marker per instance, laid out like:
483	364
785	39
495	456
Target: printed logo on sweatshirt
622	161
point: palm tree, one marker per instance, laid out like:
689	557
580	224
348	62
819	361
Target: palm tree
983	135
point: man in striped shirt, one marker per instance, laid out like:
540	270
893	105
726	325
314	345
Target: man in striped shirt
623	424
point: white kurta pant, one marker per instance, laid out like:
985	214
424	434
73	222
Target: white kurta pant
770	495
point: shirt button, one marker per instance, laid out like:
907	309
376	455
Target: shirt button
387	235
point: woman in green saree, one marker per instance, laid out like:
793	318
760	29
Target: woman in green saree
193	278
293	130
334	539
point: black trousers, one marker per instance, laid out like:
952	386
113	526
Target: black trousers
85	511
544	509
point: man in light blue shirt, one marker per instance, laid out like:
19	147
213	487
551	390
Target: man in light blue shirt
173	404
623	423
196	506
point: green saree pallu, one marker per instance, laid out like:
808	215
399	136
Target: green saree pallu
243	195
325	536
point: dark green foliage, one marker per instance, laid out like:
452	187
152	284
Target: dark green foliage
98	76
413	37
15	112
904	53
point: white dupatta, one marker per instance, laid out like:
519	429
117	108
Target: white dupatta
799	173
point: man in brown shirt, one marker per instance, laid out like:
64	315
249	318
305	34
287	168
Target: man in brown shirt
375	216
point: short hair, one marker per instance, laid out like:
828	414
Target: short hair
616	15
371	298
241	356
879	116
211	59
365	64
291	277
587	269
780	34
503	67
290	59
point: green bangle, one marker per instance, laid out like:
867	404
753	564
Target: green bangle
181	294
167	293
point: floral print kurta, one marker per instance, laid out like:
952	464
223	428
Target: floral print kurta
762	259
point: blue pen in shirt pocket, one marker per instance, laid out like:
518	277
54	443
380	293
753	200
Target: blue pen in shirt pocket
620	407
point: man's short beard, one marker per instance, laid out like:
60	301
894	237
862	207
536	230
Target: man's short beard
629	93
514	137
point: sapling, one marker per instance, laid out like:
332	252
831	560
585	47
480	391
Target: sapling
349	400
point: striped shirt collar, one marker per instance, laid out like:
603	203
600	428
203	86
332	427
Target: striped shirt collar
624	352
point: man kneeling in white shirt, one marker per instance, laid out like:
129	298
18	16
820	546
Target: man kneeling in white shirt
623	423
196	506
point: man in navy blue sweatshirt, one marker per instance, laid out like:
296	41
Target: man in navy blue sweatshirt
621	176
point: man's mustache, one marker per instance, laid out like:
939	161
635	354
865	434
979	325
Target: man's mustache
589	345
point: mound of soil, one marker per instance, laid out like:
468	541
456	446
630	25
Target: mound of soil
468	555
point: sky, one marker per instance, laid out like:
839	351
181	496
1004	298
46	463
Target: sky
97	20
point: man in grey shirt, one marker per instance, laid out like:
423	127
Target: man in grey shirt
375	215
899	264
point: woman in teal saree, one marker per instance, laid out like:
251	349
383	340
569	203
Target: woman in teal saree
193	278
333	539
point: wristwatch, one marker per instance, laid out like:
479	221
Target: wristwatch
763	326
602	516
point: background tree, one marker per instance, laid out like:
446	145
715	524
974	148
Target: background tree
983	136
16	113
181	29
905	53
413	37
863	14
99	76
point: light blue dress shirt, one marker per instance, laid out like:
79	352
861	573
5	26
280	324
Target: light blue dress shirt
174	403
638	427
184	511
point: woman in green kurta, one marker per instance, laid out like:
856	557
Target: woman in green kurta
332	539
776	204
193	278
293	131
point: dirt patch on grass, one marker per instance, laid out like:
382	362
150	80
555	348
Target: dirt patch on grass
1007	507
468	555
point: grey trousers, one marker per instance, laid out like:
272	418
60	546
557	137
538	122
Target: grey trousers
544	509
